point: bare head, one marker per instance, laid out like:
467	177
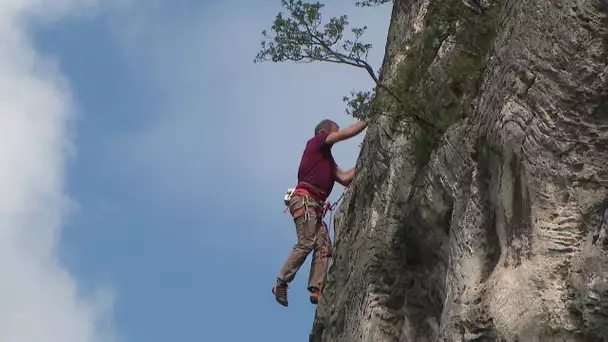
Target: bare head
327	126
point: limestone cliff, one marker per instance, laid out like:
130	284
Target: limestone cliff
494	225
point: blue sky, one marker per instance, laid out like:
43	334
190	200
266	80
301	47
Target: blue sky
148	161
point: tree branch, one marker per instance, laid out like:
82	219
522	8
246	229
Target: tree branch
300	38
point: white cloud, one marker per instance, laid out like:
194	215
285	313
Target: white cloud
39	300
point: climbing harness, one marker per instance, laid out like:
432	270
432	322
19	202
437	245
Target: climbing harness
326	206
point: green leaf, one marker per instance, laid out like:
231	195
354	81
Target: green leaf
359	104
301	35
370	3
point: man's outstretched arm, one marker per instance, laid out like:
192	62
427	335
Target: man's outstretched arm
346	133
344	178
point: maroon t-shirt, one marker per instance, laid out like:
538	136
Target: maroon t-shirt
317	167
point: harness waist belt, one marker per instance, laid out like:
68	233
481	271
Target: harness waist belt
319	209
304	185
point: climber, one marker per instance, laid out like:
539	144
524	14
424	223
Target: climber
316	176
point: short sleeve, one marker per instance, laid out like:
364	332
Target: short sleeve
320	138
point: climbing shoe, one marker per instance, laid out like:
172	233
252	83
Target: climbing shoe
315	295
280	292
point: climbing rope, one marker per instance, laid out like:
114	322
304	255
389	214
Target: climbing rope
331	209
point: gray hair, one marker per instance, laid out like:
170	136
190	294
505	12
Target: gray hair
324	125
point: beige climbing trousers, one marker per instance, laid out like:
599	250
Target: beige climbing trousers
312	236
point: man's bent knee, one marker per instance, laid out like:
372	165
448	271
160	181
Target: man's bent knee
305	246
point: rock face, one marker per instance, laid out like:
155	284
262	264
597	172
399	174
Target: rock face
494	226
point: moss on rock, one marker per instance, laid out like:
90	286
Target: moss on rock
443	98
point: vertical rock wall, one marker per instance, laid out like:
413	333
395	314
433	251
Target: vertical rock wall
493	227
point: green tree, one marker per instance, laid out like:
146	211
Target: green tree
370	3
301	36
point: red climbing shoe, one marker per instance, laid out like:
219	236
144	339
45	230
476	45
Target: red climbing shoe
315	295
280	292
